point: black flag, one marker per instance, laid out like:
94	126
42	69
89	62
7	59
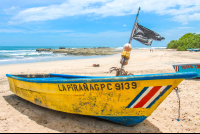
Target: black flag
145	35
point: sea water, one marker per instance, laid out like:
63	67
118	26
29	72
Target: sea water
28	54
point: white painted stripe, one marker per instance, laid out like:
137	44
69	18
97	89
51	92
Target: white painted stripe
176	68
139	99
154	97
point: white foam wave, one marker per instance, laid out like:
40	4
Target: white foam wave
11	51
119	48
29	53
4	60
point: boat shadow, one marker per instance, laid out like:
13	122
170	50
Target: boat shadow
195	79
70	123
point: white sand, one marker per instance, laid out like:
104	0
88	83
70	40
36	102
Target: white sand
18	115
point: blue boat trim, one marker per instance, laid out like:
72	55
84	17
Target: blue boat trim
191	67
76	76
124	120
92	79
194	49
185	64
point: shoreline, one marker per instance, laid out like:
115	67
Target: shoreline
49	59
18	115
56	57
28	54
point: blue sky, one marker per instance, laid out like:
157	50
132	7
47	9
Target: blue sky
94	22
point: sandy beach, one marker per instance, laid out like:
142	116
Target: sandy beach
20	116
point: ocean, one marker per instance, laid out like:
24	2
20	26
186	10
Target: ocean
28	54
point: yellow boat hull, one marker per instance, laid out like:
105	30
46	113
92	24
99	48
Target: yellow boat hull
112	98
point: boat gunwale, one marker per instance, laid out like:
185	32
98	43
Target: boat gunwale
92	79
186	64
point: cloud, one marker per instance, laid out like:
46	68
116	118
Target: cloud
124	25
180	10
187	17
12	10
70	8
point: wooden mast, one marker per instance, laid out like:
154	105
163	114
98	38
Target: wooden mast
134	26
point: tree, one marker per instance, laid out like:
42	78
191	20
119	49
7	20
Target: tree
189	40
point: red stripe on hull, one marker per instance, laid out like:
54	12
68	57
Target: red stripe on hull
147	97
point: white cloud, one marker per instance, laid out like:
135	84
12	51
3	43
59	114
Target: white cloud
11	10
124	25
180	10
187	17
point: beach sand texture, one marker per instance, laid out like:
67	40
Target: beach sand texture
18	115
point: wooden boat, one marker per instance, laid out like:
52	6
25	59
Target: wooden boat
127	100
193	67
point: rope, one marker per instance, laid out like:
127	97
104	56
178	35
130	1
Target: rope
120	71
179	103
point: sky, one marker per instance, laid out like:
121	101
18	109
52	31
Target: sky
100	23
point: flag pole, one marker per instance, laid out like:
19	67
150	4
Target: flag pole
120	71
134	26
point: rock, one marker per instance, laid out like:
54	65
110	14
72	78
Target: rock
84	51
103	47
41	49
62	48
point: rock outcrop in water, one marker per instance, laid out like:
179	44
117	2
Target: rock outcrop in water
83	51
41	49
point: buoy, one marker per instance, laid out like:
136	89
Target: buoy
125	56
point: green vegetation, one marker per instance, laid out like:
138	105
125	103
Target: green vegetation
189	40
